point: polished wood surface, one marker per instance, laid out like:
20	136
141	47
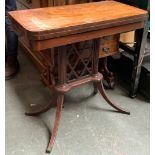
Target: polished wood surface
109	46
75	31
46	43
76	17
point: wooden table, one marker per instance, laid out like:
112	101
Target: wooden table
63	28
109	44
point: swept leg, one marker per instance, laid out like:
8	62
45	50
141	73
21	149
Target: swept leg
103	93
60	102
36	110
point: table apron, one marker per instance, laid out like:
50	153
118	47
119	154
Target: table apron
37	45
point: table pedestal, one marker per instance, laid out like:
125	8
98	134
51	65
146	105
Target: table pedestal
73	65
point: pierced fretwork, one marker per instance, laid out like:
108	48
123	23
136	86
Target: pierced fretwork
79	60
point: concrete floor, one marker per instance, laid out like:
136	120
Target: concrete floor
88	125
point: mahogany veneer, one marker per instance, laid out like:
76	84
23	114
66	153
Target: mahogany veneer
75	32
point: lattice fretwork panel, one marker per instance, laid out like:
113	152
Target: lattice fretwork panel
79	60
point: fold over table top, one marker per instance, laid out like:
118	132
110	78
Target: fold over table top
51	22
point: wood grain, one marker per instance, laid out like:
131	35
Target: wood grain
76	17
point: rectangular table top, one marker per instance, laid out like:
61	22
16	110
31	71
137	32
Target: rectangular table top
59	21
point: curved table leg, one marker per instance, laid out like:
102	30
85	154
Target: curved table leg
36	110
103	93
60	102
